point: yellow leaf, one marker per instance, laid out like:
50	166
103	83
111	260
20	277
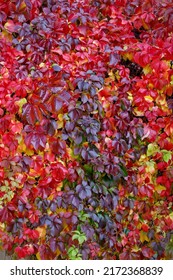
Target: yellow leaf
2	226
29	152
138	113
42	232
60	117
23	149
171	215
59	186
151	167
51	197
138	226
143	158
7	35
61	210
33	173
148	98
130	96
143	236
161	100
42	64
115	75
70	85
145	26
49	212
128	56
147	69
71	153
20	103
22	6
60	121
58	252
150	85
160	188
38	256
135	249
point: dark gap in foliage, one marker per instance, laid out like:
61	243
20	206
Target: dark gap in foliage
135	69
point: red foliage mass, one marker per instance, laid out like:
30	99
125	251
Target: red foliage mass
86	131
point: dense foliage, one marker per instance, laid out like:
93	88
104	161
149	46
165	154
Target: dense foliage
86	129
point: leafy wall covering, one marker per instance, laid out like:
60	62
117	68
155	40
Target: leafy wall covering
86	129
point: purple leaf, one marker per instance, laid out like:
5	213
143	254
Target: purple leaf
56	68
114	59
80	85
75	202
53	244
28	4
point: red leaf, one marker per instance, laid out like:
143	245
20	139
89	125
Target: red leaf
4	124
45	181
126	255
58	147
11	26
59	172
22	252
54	104
146	190
31	233
147	252
145	227
36	139
32	113
9	140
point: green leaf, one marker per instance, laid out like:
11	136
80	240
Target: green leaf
83	216
123	170
153	148
79	257
167	155
88	168
77	232
72	251
79	236
4	188
81	239
75	236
